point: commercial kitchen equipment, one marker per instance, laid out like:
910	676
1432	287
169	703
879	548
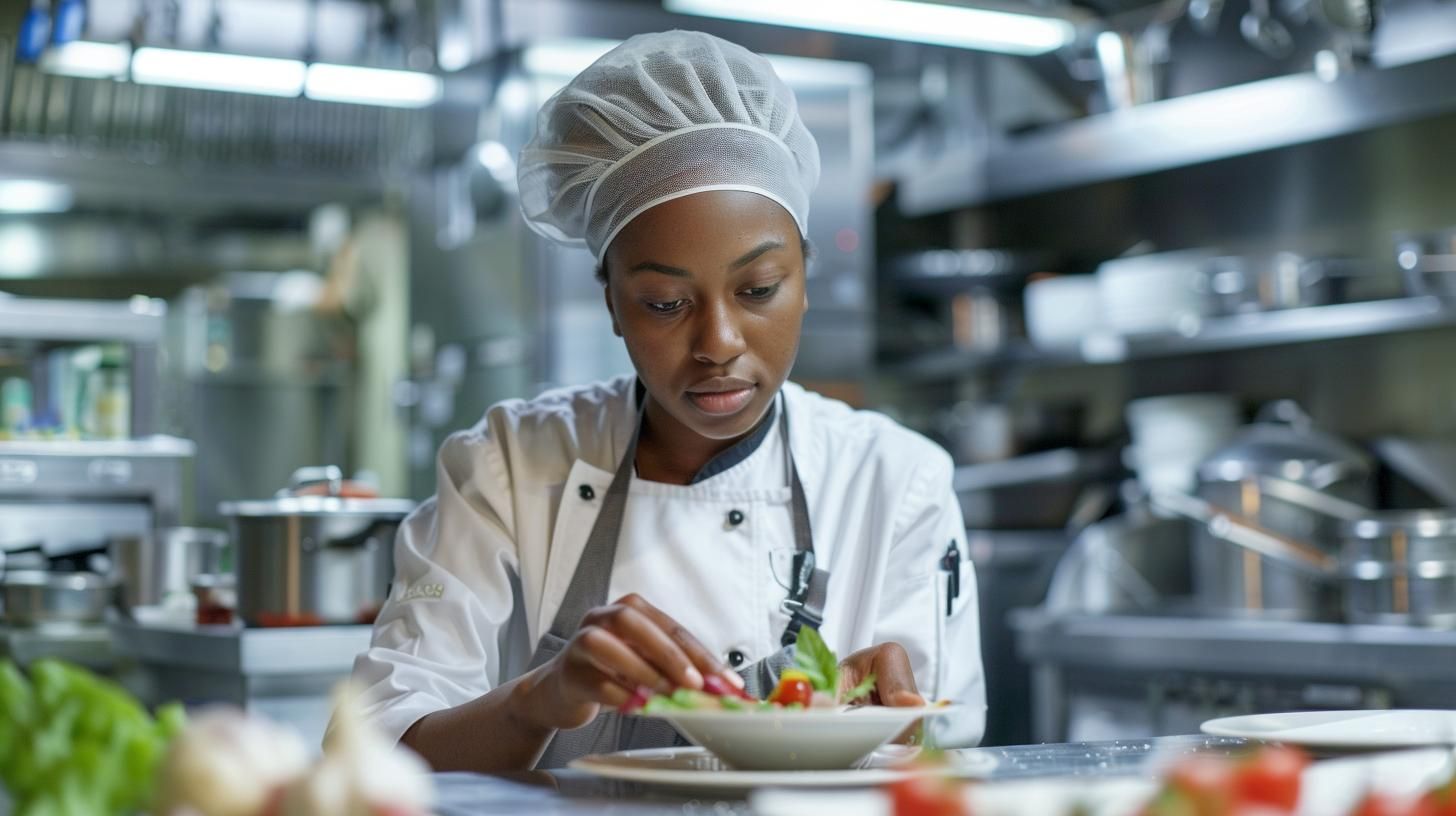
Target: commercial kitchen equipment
286	675
310	558
1274	474
1141	675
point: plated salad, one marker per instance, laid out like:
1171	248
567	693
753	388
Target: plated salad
813	683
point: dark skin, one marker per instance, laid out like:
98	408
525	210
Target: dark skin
711	319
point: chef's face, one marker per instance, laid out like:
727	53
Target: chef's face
708	292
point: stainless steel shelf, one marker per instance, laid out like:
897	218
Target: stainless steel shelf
236	650
137	321
1256	330
1334	651
1194	129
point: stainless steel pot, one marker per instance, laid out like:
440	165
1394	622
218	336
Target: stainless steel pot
155	567
37	598
307	560
1289	480
1400	568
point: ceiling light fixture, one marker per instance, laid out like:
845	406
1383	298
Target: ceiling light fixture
211	71
33	196
371	86
943	24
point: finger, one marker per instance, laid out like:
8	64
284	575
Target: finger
894	679
656	645
699	654
618	661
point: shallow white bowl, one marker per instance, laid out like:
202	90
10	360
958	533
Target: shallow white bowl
815	739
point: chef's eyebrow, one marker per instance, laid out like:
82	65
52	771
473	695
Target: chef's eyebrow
753	254
653	266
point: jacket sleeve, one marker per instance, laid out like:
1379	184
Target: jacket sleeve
435	642
932	610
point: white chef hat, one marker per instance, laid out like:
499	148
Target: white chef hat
659	117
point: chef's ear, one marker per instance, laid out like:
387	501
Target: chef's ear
607	296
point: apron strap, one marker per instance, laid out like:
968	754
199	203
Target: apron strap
809	584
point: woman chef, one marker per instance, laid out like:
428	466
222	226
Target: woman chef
688	520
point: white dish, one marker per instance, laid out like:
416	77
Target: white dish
1153	293
1343	730
696	769
816	739
1060	312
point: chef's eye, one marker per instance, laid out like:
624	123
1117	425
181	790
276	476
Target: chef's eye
761	292
664	307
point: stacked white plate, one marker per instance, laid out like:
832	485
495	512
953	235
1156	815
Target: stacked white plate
1172	435
1154	293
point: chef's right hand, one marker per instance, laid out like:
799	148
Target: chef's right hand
619	648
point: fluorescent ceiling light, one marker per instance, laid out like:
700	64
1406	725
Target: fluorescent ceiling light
92	60
923	22
566	57
29	196
371	86
218	72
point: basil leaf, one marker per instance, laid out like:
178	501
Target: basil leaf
814	657
864	688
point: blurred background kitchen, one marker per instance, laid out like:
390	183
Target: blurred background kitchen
1175	283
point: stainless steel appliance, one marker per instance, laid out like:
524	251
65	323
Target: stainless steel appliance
1243	480
307	560
43	598
1400	568
155	568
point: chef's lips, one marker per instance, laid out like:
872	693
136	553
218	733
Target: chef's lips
722	396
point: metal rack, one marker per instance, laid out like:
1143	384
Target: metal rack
1272	113
1255	330
138	323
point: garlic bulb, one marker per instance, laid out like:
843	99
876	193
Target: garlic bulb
228	764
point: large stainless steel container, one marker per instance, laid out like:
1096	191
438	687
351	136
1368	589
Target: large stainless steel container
1400	568
38	598
1244	480
313	560
153	568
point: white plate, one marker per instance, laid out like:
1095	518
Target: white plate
1343	730
697	769
816	739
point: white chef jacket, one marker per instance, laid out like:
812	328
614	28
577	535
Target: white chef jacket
480	568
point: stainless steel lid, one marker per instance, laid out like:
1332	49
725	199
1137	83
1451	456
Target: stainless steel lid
318	506
1292	451
1414	523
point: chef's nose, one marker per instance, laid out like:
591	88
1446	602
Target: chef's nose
719	339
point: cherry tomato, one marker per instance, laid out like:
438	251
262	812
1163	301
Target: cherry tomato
928	796
1378	804
1439	802
1271	777
793	687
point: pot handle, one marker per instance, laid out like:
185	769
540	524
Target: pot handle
328	475
1312	499
1244	533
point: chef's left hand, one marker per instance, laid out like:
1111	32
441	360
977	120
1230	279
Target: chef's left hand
894	681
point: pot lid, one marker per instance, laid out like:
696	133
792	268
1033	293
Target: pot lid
318	506
1293	451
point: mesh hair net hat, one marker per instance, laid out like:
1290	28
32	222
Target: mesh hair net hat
659	117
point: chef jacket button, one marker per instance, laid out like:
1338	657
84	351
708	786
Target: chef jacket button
737	658
586	492
735	517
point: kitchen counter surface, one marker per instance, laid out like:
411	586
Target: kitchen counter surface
573	793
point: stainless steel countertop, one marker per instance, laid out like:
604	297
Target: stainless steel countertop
243	651
1331	651
573	793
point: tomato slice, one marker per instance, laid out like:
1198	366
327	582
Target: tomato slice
928	796
1271	777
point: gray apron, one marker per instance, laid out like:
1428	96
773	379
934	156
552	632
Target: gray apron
588	589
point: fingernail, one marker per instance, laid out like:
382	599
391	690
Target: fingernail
734	678
695	677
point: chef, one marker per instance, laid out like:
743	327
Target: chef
682	525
